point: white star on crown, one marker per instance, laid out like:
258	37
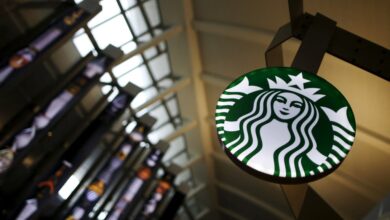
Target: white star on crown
296	81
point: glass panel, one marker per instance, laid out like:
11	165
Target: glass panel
106	89
179	143
150	53
138	76
109	9
173	107
181	159
176	146
113	32
148	109
106	78
127	65
145	37
162	45
83	44
152	12
161	133
127	3
113	94
129	47
79	32
144	96
178	121
160	66
157	31
160	114
137	21
165	83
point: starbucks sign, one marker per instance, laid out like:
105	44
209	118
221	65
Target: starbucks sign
284	124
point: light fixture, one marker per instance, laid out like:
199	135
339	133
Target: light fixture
284	124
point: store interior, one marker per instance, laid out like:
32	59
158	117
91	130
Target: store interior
107	108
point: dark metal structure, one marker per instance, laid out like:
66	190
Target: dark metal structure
320	35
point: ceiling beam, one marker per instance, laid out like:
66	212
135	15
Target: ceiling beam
202	213
166	35
200	96
216	80
179	85
181	130
194	191
233	31
192	161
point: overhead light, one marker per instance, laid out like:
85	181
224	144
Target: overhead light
69	187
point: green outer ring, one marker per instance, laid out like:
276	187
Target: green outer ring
321	82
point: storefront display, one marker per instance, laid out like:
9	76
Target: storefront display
174	205
98	187
44	190
52	112
136	185
157	196
77	155
10	66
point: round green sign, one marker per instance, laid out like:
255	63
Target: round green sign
284	124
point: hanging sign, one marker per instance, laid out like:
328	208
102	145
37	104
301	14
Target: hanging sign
285	125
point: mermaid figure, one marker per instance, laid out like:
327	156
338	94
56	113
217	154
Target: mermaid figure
288	109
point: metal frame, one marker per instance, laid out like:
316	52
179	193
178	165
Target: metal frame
342	44
319	35
138	51
141	47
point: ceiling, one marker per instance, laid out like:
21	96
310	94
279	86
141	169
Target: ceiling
226	38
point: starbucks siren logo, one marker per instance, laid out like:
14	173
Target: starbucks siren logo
285	123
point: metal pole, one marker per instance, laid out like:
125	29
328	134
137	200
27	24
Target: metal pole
314	44
304	202
295	8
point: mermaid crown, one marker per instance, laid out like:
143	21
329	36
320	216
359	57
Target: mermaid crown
296	85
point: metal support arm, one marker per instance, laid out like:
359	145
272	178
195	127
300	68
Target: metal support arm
343	44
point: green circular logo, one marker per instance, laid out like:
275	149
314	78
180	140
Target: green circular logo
285	124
